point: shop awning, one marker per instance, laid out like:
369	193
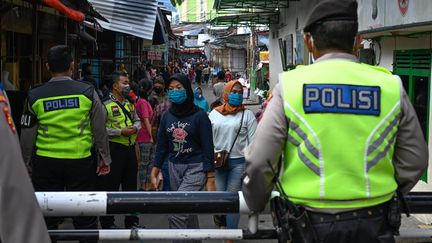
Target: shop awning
247	19
270	5
232	41
134	17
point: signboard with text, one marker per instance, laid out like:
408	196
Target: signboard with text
154	55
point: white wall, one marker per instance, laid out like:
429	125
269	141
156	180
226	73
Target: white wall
390	15
390	44
238	60
291	19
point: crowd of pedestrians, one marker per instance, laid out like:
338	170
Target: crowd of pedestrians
155	127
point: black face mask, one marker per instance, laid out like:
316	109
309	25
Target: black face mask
158	90
125	90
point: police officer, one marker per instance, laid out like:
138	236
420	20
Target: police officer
122	125
20	216
62	119
348	133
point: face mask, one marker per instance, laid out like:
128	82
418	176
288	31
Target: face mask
158	90
235	99
177	96
125	90
198	96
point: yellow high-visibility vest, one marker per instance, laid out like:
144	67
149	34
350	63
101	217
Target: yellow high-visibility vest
344	120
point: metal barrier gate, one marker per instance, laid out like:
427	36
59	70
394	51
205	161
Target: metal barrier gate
103	203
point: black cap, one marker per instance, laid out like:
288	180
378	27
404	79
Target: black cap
329	10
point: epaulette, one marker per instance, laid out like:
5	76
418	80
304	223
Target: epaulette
38	85
106	99
378	68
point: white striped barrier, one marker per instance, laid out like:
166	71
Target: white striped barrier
161	234
191	234
103	203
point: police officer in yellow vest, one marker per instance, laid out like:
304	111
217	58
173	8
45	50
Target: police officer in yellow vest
61	121
347	131
122	125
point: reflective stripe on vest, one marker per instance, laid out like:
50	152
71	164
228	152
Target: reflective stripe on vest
64	129
341	135
116	119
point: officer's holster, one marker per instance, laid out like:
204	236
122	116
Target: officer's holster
291	222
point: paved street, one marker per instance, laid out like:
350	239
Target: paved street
152	221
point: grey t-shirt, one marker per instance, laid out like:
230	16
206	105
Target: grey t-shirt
225	128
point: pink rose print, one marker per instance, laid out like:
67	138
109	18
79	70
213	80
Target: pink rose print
179	134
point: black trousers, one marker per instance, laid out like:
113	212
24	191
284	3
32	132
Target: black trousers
206	78
50	174
123	173
359	230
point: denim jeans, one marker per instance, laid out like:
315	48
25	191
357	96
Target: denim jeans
231	180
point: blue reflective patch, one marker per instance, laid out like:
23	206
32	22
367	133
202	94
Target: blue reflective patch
59	104
342	98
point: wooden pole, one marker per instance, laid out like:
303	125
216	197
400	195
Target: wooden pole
35	45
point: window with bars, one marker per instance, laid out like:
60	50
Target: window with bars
414	68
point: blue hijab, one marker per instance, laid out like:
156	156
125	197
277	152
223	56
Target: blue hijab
200	101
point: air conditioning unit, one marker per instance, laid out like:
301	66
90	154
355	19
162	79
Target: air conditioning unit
367	56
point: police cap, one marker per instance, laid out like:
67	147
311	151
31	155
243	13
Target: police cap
330	10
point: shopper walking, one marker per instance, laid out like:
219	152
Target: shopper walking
233	129
185	137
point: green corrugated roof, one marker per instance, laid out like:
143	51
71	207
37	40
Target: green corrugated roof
247	19
221	5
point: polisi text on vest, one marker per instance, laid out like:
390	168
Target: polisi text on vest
63	103
340	98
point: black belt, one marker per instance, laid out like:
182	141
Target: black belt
370	212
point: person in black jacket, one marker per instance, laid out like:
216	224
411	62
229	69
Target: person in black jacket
185	136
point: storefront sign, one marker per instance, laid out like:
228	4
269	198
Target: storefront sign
154	55
160	48
264	56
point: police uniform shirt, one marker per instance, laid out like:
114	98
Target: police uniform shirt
98	117
20	216
112	132
410	158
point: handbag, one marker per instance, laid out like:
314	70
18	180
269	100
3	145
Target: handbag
221	158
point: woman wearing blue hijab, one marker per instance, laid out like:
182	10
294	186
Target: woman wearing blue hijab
199	99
